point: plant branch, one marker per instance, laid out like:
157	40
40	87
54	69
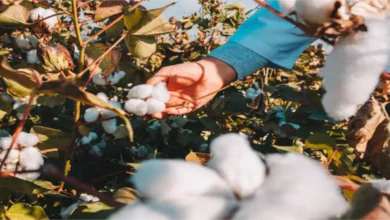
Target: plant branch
76	22
103	30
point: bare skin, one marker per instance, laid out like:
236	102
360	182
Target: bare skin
189	81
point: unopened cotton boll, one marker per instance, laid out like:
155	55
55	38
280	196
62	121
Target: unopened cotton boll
32	57
356	61
110	126
108	113
85	140
296	187
314	13
102	96
288	6
184	179
91	114
155	106
137	107
235	161
27	139
98	80
140	92
36	13
161	92
192	208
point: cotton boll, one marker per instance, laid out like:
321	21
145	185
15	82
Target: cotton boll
93	135
314	13
5	143
52	21
98	80
184	180
288	6
235	161
32	57
155	106
12	157
121	73
36	13
31	158
23	44
161	92
297	187
27	140
140	92
137	107
96	151
33	40
109	126
91	114
85	140
88	198
102	96
108	113
355	62
115	78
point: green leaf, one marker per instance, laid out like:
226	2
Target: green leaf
109	8
50	101
19	185
51	138
296	149
320	142
23	211
96	210
210	125
141	46
121	132
14	16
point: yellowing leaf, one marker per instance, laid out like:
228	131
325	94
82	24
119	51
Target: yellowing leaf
121	132
150	16
200	158
297	149
132	18
14	15
84	130
125	195
109	8
158	26
116	29
51	138
320	142
141	46
110	62
23	211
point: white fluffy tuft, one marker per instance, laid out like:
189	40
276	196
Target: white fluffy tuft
353	68
98	80
36	13
32	57
160	92
102	96
52	21
137	107
140	92
91	114
27	140
108	113
155	106
5	143
110	126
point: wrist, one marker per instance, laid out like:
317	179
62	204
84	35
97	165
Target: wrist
223	72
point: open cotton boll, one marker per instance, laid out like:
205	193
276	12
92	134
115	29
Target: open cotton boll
88	198
161	92
27	139
155	106
52	21
98	80
297	187
115	77
137	107
288	6
91	114
108	113
184	180
355	62
36	13
31	158
235	161
93	135
12	157
5	143
32	57
102	96
140	92
193	208
23	44
313	12
109	126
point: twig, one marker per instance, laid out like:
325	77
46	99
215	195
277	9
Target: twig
332	157
76	22
103	30
49	150
43	3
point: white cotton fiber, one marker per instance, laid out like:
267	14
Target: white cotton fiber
93	135
314	12
108	113
36	13
189	208
288	6
102	96
85	140
31	158
27	140
32	57
52	21
155	106
140	92
23	44
137	107
235	161
12	157
88	198
353	68
110	126
91	114
116	77
5	143
297	187
184	180
98	80
161	92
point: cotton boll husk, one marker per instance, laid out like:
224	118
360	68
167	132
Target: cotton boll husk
184	180
85	140
108	113
193	208
161	92
235	161
98	80
353	68
27	139
140	92
32	57
288	6
313	12
137	107
102	96
36	13
155	106
52	21
297	187
91	114
109	126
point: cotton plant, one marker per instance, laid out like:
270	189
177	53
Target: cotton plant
23	156
112	79
40	13
236	183
147	99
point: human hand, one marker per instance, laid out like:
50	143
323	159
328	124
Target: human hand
188	83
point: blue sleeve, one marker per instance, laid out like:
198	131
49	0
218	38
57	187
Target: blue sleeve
263	40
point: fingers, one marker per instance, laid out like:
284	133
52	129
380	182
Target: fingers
179	110
161	76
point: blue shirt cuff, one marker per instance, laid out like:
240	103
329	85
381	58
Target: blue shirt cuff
242	59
